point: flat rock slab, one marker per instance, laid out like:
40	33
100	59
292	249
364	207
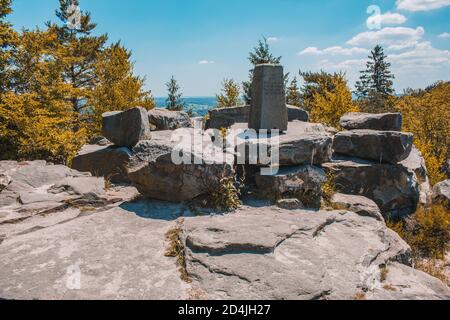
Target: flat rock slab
381	122
126	128
380	146
276	254
357	204
163	119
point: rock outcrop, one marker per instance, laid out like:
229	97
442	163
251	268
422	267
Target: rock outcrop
108	162
226	117
163	119
126	128
393	188
303	183
357	204
441	193
275	254
379	146
296	113
381	122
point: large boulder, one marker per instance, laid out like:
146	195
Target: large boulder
108	162
163	119
381	122
275	254
441	193
415	163
380	146
303	183
392	187
296	113
126	128
155	173
357	204
303	143
226	117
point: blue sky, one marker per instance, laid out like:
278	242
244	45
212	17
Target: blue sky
201	42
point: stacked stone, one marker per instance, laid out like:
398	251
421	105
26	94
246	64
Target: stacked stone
373	158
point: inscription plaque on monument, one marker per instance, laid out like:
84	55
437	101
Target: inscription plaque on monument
268	107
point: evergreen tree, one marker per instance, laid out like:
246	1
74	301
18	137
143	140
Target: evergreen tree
229	97
79	51
293	96
261	54
8	38
174	100
375	87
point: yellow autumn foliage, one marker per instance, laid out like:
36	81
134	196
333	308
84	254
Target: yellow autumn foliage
426	113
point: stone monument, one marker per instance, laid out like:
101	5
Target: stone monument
268	107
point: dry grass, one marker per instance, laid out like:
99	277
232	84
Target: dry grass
389	287
384	272
434	267
360	296
176	250
226	196
329	189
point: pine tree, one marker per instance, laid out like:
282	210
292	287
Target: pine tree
375	86
174	100
229	97
117	88
8	38
293	96
261	54
79	51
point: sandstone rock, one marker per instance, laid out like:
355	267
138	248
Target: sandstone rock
296	113
357	204
381	122
290	204
391	186
155	174
268	105
379	146
5	180
416	164
441	193
273	254
303	143
127	128
163	119
226	117
304	183
108	162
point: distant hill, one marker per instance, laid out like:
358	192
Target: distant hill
199	105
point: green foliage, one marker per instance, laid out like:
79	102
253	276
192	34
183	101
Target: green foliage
293	95
174	100
261	54
375	86
229	96
327	97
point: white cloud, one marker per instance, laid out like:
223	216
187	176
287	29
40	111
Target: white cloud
387	36
336	50
444	35
273	39
421	5
205	62
422	55
388	19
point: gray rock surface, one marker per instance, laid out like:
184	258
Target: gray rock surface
163	119
381	122
108	162
126	128
156	175
303	183
303	143
357	204
268	105
416	163
270	253
5	180
226	117
392	187
296	113
441	193
290	204
380	146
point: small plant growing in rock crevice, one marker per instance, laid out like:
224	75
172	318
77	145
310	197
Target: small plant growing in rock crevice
226	196
329	189
176	250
